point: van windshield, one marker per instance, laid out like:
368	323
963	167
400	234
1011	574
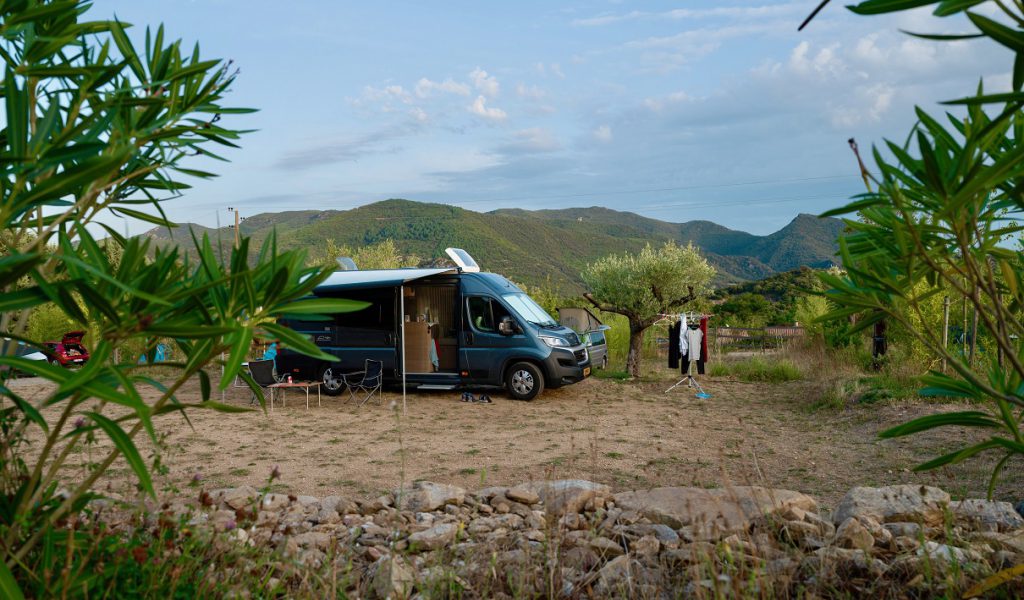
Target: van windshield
526	308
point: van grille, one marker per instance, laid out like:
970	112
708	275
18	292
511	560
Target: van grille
581	355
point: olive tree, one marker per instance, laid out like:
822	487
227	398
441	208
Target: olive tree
645	285
94	128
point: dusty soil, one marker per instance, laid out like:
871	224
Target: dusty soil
630	435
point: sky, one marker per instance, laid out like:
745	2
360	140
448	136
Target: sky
713	110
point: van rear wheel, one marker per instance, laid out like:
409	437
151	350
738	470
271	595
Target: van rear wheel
524	381
332	381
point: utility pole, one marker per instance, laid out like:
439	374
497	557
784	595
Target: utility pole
238	241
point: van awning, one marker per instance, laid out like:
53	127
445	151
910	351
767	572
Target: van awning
383	278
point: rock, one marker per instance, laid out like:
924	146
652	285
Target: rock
328	516
240	497
852	534
581	558
523	495
509	521
274	501
842	562
606	547
1001	559
711	512
223	520
308	501
393	578
614	579
426	496
566	495
906	503
435	537
898	529
803	534
1012	542
946	553
646	547
983	515
572	521
313	539
487	493
267	519
339	505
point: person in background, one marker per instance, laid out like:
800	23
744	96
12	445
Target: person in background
271	353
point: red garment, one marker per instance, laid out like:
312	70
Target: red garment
704	338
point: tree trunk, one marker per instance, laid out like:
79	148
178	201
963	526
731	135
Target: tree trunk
636	340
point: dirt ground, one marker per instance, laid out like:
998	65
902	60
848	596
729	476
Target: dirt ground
630	435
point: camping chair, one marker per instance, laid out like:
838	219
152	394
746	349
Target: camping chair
368	381
263	374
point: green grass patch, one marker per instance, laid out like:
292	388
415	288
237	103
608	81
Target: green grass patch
610	374
758	369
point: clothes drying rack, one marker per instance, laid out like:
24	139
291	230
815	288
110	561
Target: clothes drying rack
689	379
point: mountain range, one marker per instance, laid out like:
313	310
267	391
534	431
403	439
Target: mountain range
540	247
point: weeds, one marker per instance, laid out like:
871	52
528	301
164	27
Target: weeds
758	369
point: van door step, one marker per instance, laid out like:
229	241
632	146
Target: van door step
434	386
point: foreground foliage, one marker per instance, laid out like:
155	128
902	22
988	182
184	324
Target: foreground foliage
94	128
941	219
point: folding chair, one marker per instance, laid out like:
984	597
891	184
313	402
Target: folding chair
262	372
368	381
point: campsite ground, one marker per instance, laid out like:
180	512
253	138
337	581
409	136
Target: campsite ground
630	435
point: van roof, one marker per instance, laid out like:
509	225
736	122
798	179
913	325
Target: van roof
378	278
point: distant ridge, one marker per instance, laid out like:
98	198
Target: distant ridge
542	246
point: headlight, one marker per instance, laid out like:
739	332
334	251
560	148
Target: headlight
554	342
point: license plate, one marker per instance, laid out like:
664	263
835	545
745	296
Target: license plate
586	371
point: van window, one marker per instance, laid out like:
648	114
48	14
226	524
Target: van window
485	313
596	338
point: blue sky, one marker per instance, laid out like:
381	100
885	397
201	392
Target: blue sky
674	110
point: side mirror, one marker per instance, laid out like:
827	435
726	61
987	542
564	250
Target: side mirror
506	326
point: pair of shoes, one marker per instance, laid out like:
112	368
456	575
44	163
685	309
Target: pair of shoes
467	397
485	399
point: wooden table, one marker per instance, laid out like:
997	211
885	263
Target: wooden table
295	384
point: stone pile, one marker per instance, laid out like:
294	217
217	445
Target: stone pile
575	538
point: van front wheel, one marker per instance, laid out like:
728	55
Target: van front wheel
332	381
524	381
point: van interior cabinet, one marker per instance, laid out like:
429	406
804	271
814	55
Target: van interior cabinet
417	348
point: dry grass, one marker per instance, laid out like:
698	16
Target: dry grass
628	434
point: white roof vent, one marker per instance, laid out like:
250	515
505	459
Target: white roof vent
463	260
346	264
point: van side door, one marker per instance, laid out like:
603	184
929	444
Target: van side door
484	349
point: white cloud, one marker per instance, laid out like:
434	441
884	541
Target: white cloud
603	134
425	87
553	69
659	104
556	70
418	114
530	92
484	83
479	108
531	141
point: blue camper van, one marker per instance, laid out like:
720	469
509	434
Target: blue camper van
449	327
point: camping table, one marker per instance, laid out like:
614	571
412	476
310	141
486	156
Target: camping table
295	384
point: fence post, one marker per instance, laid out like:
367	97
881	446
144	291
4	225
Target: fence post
945	330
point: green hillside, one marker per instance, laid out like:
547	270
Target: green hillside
536	247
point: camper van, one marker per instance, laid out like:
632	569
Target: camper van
441	328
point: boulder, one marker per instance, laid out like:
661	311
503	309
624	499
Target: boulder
240	497
426	496
615	578
985	515
393	578
436	537
904	503
711	512
523	495
853	535
566	495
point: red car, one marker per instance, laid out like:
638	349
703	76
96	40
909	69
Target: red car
69	351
